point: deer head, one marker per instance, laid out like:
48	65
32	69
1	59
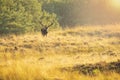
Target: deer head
45	28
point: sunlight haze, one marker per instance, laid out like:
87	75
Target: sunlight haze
115	3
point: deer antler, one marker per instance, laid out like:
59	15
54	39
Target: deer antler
46	25
50	24
41	23
41	18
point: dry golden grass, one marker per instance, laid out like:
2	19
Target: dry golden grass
33	57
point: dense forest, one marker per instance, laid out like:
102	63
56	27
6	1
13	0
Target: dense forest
21	16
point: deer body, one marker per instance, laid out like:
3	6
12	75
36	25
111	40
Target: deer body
44	31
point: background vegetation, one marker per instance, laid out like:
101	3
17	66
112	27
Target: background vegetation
19	16
83	12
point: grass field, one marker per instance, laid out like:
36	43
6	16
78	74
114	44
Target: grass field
80	53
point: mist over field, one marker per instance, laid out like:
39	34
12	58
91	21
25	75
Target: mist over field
86	12
59	39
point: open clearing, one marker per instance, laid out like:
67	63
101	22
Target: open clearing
80	53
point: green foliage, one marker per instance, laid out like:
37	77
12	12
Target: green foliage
60	8
21	16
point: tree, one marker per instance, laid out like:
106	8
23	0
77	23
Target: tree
21	16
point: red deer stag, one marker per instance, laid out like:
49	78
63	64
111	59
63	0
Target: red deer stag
44	30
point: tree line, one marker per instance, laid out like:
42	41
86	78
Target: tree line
21	16
84	12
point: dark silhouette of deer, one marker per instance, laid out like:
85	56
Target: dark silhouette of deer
44	30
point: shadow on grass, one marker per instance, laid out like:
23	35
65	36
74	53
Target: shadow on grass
93	69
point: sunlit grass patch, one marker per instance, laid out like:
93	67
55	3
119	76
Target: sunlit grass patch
34	57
